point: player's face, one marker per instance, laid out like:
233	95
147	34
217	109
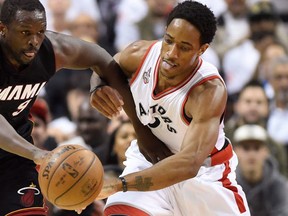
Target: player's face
180	50
23	37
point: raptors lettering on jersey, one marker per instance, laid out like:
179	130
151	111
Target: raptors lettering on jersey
161	111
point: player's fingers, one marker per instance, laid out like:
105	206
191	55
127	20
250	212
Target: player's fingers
99	106
102	104
114	96
103	108
110	98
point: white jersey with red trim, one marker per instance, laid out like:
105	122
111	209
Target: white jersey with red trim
214	191
164	112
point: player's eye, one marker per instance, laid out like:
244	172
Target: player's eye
25	33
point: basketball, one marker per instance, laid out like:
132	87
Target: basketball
71	177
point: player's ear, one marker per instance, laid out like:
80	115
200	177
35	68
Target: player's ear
203	49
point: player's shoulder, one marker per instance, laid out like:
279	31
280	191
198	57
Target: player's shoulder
138	47
131	57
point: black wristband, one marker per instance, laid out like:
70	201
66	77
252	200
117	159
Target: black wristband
97	87
96	82
124	184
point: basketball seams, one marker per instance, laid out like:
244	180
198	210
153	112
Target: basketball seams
83	184
52	174
80	178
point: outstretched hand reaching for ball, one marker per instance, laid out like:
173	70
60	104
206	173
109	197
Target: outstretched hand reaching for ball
12	142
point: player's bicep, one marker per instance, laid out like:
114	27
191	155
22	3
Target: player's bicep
208	101
206	106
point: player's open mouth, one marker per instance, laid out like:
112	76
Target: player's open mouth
167	65
30	54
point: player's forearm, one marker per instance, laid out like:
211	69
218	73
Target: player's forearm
12	142
170	171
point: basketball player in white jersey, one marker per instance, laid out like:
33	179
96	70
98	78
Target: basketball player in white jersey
182	99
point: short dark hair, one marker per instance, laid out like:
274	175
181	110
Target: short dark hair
198	15
254	83
10	7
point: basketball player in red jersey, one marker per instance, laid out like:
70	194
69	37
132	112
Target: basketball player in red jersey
182	98
29	56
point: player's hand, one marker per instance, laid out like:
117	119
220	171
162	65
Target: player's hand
39	156
107	101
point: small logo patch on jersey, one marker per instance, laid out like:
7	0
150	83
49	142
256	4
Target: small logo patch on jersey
28	194
146	76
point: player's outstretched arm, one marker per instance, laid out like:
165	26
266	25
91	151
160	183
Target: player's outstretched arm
105	98
74	53
12	142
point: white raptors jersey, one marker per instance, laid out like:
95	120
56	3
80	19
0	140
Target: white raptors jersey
164	112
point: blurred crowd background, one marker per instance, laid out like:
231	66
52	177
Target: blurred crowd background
250	51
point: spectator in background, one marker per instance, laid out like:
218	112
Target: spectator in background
76	7
116	121
128	13
141	20
64	92
277	123
64	95
233	26
257	173
152	26
85	27
240	63
91	131
252	107
108	10
119	143
58	21
217	6
41	117
271	52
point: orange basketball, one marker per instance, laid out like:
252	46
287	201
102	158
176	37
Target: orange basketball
71	177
